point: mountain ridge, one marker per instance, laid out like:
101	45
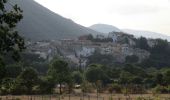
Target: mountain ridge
40	23
104	28
136	33
147	34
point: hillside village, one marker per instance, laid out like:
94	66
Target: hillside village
77	51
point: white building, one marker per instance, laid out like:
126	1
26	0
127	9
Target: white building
126	50
106	50
113	36
86	51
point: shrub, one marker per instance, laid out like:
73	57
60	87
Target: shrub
87	87
160	89
16	99
116	88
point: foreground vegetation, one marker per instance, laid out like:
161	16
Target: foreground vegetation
129	79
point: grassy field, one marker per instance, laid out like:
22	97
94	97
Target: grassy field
90	97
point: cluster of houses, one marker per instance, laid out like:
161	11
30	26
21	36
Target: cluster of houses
78	50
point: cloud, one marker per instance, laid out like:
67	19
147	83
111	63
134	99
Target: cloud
128	10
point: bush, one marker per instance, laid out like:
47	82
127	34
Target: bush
116	88
87	87
46	86
160	89
168	88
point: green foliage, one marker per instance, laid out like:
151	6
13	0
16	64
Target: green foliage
160	89
12	71
46	85
28	78
135	70
132	59
137	80
99	58
77	77
87	87
158	78
7	86
41	67
12	86
115	88
125	77
35	61
142	43
60	71
160	55
166	77
2	71
10	41
28	58
94	73
162	46
113	73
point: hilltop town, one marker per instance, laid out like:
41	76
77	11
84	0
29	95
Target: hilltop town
117	44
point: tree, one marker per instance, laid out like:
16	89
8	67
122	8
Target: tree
162	46
12	71
60	72
11	86
166	77
116	88
95	73
159	79
10	41
132	59
142	43
159	56
137	80
135	70
77	77
103	59
29	78
114	73
46	85
125	77
2	70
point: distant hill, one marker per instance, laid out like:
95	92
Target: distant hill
147	34
39	23
104	28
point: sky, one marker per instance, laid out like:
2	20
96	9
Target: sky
150	15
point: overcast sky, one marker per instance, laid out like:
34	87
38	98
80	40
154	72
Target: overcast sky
151	15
